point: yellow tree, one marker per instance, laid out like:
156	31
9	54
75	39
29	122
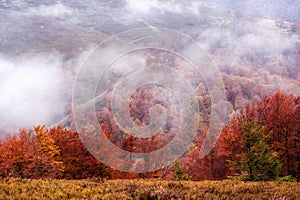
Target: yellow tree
47	160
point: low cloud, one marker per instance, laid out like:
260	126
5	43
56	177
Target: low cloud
31	91
147	7
264	40
57	10
153	7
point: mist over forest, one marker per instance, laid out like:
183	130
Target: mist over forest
44	40
68	66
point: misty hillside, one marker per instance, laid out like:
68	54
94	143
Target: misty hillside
255	45
168	89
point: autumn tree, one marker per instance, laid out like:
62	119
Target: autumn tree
13	157
78	162
278	114
30	154
46	159
214	165
48	153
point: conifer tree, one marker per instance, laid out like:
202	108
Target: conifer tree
179	173
257	161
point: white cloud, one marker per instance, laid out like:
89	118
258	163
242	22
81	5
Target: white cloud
147	7
56	10
31	92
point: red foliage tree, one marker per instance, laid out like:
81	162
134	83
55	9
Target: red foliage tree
31	154
78	162
279	114
43	153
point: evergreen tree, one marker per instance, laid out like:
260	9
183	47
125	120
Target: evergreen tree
179	173
257	161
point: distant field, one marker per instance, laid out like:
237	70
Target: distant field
145	189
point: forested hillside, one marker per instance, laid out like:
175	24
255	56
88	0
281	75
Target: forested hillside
220	80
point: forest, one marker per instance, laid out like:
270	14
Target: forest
59	153
158	99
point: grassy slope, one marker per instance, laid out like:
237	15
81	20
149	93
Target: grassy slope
145	189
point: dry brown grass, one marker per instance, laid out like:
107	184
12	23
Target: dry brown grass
146	189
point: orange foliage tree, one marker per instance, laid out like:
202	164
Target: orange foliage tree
31	154
43	153
279	114
77	160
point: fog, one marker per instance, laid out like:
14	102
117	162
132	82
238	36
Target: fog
57	10
33	86
276	9
31	91
147	7
256	37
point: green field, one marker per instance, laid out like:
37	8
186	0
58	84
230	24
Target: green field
145	189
